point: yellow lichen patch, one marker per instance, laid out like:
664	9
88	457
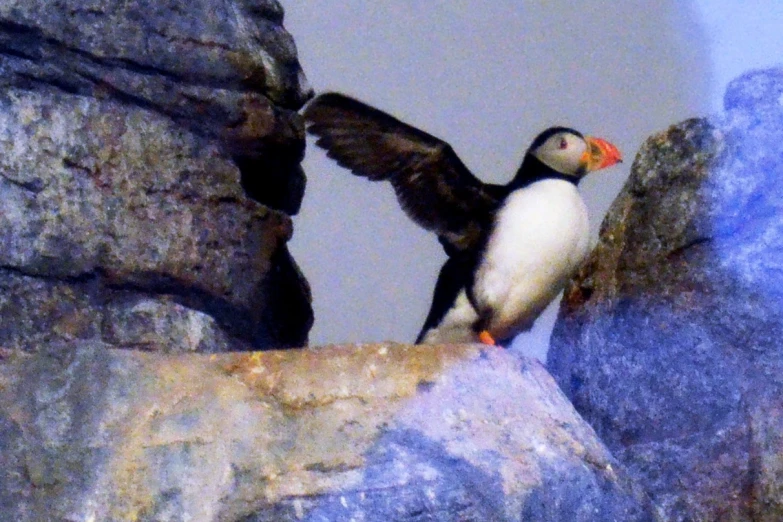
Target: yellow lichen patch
369	372
178	412
264	424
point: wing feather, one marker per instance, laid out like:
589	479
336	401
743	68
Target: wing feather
434	188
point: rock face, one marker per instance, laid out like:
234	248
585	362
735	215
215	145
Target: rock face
669	339
149	161
374	433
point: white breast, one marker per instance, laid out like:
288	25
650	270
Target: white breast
540	237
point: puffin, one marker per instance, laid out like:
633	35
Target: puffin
511	248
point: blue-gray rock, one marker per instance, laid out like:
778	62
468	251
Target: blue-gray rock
149	158
227	70
669	339
369	433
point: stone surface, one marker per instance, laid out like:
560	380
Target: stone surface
373	432
149	156
669	338
227	70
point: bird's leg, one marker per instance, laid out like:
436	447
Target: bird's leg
481	328
486	338
484	316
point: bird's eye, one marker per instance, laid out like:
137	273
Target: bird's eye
563	143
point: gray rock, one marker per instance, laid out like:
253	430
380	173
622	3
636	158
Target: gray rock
149	155
98	198
227	70
669	339
373	433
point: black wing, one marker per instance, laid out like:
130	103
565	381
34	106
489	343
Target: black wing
433	186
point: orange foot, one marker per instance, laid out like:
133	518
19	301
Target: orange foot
486	338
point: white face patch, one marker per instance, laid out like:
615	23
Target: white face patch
562	152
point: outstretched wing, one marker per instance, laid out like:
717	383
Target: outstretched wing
433	186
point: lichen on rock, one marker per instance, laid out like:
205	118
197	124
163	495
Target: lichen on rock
375	432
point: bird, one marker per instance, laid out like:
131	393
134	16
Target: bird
511	248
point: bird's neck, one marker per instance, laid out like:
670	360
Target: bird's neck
532	170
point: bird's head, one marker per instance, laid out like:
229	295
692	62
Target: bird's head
568	152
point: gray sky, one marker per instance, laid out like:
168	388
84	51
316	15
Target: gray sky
487	77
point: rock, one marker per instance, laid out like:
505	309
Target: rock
227	70
149	158
373	432
669	338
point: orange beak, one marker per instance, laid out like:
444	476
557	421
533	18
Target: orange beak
600	154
